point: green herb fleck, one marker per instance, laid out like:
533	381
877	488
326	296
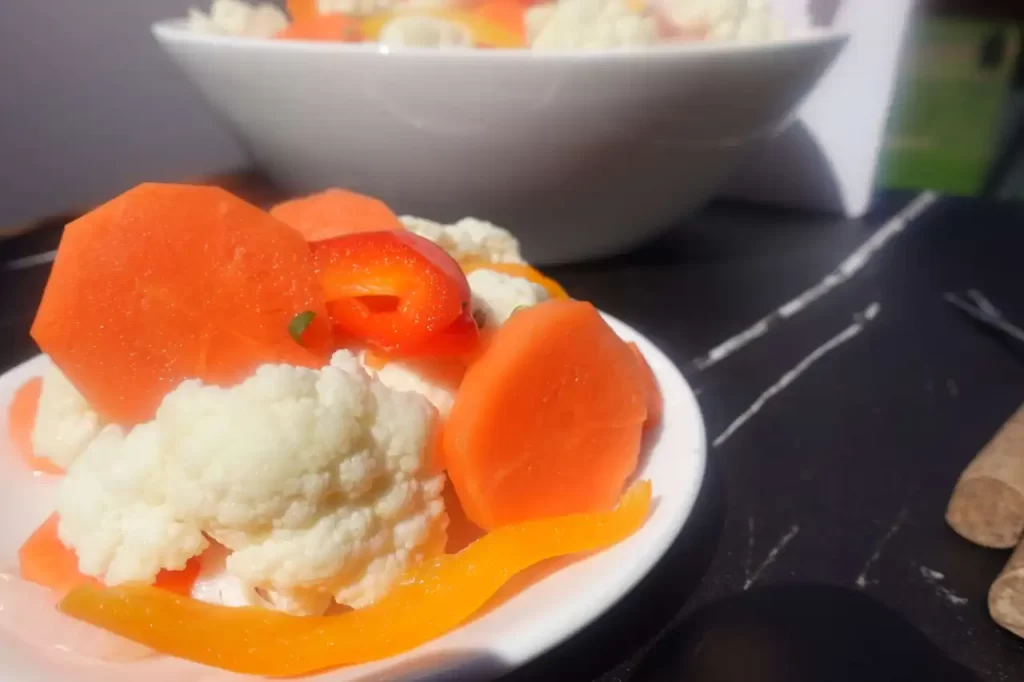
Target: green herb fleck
297	327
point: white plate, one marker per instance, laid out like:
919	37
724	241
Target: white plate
533	621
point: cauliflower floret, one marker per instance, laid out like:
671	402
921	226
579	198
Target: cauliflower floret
65	424
114	512
238	18
406	376
359	8
417	30
317	481
214	585
363	8
497	295
468	239
595	24
724	19
758	26
537	17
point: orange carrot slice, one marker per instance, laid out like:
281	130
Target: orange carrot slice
336	212
436	598
46	561
548	421
323	28
300	10
21	420
171	282
527	272
655	403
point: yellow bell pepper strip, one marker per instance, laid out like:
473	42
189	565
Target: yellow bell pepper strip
434	599
523	270
485	31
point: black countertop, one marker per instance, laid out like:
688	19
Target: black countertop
818	550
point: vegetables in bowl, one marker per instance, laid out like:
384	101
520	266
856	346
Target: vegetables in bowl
553	25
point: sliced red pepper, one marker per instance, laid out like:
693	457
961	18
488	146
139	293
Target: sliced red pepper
459	342
395	291
460	338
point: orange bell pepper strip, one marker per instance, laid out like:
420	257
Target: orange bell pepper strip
395	291
436	598
21	420
523	270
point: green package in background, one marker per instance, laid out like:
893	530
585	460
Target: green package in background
948	114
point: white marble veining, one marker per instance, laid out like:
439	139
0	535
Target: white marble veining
860	321
850	266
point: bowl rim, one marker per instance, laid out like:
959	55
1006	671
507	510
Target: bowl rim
176	30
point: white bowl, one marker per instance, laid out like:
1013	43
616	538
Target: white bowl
555	607
581	154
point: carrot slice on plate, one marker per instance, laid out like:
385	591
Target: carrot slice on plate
46	561
436	598
655	403
172	282
21	420
336	212
548	421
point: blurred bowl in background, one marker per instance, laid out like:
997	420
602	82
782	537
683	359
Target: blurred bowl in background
580	154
